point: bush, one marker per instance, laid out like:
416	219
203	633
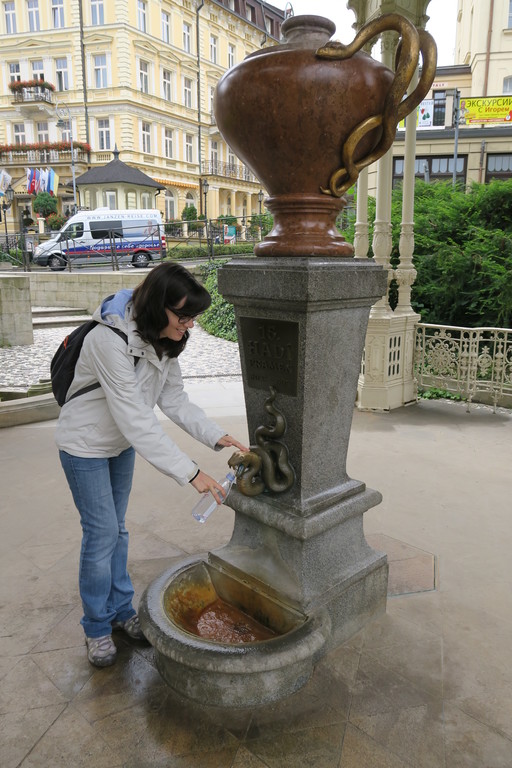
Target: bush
462	252
219	318
185	252
56	220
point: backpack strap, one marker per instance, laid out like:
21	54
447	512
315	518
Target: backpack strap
96	384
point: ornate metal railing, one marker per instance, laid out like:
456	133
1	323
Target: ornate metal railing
474	362
229	170
31	95
33	156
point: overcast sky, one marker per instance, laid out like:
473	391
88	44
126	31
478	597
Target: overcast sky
441	26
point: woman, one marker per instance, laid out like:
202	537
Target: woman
100	430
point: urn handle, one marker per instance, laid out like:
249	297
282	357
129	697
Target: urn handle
412	42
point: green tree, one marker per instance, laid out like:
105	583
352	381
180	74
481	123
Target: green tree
44	204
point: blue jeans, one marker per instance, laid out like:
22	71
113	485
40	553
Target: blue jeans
101	488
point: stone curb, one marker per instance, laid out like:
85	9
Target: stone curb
27	410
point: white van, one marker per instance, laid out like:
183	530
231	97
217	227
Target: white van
104	236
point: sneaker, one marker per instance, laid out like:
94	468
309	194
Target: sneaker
101	651
131	626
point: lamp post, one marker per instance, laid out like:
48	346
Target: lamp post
64	114
6	204
209	239
260	200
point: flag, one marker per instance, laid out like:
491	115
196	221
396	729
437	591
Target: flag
5	180
51	181
55	183
32	188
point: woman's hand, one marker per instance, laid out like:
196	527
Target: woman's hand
227	441
204	483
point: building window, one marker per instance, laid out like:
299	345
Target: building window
168	142
189	200
187	37
141	15
146	137
510	14
438	168
189	148
269	25
166	27
231	162
231	55
507	85
214	156
38	70
145	200
43	134
97	13
33	15
144	76
250	12
111	199
14	72
61	71
211	100
213	48
187	92
65	128
19	133
167	85
100	70
439	108
104	134
169	206
58	14
10	18
498	167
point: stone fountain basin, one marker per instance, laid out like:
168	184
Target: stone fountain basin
232	674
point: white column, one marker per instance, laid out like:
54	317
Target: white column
361	239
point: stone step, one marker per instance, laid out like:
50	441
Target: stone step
56	311
60	320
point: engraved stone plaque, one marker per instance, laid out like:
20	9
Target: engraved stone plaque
270	349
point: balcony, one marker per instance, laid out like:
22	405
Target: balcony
58	153
228	170
31	93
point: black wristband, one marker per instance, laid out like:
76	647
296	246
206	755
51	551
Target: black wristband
196	474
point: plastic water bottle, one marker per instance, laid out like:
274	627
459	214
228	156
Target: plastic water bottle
207	504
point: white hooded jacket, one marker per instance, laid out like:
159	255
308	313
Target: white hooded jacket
119	414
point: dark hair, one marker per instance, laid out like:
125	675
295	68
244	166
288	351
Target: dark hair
164	288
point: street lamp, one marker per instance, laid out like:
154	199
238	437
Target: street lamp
260	199
206	187
209	240
64	115
6	204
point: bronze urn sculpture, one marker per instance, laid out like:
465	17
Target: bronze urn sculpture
307	115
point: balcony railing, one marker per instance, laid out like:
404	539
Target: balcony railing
229	170
473	362
33	95
34	156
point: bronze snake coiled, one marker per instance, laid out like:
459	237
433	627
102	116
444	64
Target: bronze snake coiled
266	465
412	43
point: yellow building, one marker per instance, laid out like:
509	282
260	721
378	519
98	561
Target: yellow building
140	75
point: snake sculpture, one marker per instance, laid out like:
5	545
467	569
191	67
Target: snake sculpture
265	465
412	42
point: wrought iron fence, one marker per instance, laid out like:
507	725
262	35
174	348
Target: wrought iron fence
474	362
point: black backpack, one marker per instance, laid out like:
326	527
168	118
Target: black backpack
62	367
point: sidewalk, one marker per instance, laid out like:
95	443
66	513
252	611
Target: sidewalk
427	686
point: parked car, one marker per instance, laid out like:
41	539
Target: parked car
104	236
